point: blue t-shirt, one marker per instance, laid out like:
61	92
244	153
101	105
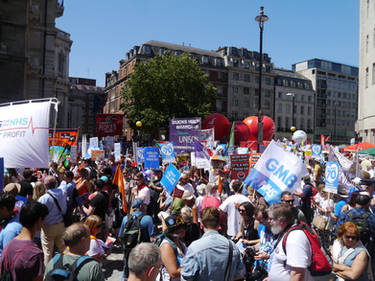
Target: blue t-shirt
11	230
146	223
338	207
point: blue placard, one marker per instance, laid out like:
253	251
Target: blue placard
167	152
140	155
1	174
316	150
332	177
151	158
170	178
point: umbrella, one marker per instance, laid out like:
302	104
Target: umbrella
370	151
358	146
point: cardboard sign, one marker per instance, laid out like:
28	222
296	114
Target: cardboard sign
170	178
151	158
97	155
239	166
332	177
73	154
254	157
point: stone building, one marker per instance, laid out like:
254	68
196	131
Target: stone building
293	89
336	87
34	54
365	126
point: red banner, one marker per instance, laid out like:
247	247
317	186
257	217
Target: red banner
64	137
239	166
109	124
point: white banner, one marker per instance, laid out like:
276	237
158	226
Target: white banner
277	170
24	135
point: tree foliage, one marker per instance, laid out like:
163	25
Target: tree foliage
167	86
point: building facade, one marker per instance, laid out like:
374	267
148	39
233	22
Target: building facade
294	104
336	103
365	126
243	83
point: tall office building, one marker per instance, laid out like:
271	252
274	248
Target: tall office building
336	87
365	126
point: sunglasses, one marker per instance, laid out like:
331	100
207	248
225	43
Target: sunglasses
350	237
288	201
242	210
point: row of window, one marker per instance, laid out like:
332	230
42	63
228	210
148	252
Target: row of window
334	94
286	108
297	97
266	103
249	65
248	91
247	78
293	83
367	76
301	124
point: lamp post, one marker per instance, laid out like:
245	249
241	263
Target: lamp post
261	19
293	95
138	124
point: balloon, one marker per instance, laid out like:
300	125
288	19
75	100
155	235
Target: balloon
219	122
299	136
241	132
248	121
268	127
292	128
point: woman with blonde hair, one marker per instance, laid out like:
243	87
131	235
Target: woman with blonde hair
39	190
97	247
351	260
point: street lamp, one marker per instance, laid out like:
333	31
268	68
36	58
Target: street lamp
138	124
261	19
293	95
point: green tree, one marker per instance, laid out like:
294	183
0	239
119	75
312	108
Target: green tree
165	87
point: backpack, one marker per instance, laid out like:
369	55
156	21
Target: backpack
361	221
319	262
133	234
67	272
6	275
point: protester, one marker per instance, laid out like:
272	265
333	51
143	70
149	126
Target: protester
99	204
22	253
14	189
82	182
97	247
172	248
350	257
211	200
294	263
306	198
142	190
53	227
287	198
77	238
39	190
192	231
144	262
10	220
208	257
230	207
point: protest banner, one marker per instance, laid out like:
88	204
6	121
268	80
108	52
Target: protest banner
94	142
202	158
140	155
316	150
242	150
183	132
167	152
254	157
170	178
192	159
308	154
276	171
117	151
84	146
239	166
24	131
109	124
97	155
151	158
332	177
109	143
60	145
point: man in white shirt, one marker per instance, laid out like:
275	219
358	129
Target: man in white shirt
184	183
292	265
142	190
230	207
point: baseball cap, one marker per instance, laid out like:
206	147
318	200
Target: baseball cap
138	202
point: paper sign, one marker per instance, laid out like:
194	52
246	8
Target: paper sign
73	154
239	166
117	151
94	142
170	178
151	158
332	177
167	152
316	150
97	155
140	155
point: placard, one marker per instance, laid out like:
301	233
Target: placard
97	155
239	166
151	158
170	178
332	177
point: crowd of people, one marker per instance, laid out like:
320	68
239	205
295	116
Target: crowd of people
209	228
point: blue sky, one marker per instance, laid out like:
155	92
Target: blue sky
103	31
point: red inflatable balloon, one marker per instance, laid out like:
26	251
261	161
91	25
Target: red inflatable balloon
268	128
241	132
220	123
248	121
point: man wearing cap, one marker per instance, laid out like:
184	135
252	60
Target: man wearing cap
343	194
139	209
15	189
10	226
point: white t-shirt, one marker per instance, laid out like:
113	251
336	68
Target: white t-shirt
188	187
298	255
230	206
144	193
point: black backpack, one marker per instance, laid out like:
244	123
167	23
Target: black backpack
361	221
67	272
133	234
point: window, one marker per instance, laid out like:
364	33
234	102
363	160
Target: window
246	91
309	124
287	108
286	122
302	109
147	50
366	78
279	120
268	81
218	105
61	64
246	77
309	111
309	98
373	73
220	75
219	90
367	39
302	124
236	76
235	90
279	108
204	59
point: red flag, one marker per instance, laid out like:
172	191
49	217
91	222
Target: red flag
120	182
